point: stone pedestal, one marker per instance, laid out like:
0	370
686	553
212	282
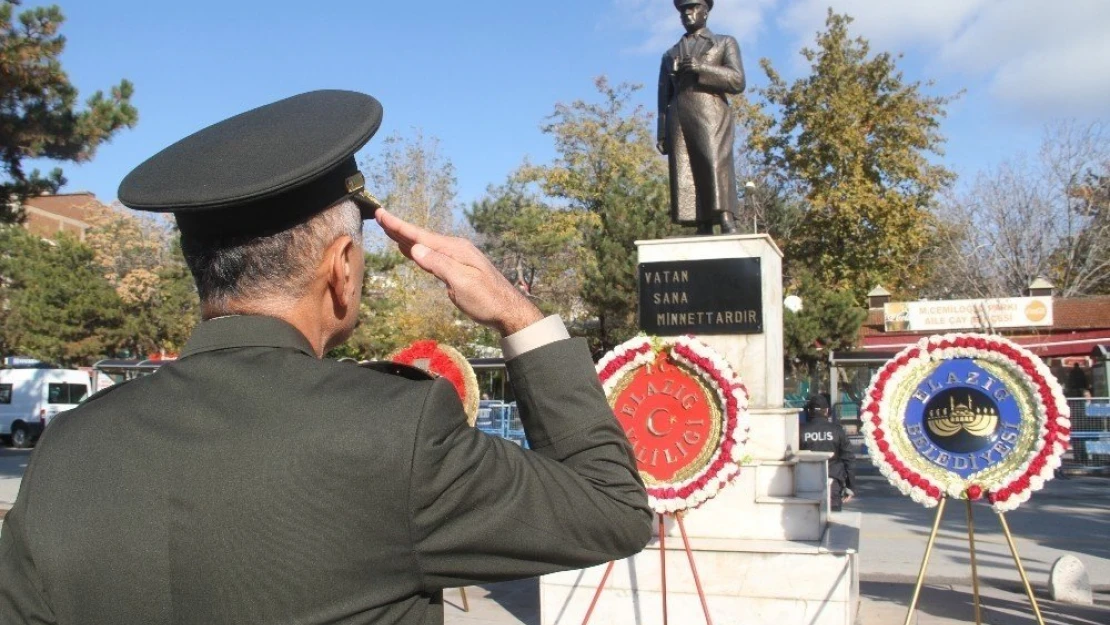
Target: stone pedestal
767	549
746	582
756	357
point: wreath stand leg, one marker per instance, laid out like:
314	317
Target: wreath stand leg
925	560
466	604
1020	568
663	564
597	593
694	568
974	566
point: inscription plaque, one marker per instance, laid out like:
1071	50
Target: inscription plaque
716	296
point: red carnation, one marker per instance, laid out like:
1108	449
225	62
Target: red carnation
883	446
974	492
879	435
933	492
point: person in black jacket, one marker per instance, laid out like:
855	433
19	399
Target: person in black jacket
820	433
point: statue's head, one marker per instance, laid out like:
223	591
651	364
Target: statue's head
695	13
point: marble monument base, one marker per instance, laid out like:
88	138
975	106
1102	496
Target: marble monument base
767	549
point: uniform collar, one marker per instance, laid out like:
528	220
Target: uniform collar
245	331
704	33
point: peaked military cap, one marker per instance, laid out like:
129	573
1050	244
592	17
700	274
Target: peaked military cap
678	4
262	171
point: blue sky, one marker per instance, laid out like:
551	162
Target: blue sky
481	76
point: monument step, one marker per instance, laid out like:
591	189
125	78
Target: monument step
773	434
790	501
774	478
644	608
811	474
740	511
796	584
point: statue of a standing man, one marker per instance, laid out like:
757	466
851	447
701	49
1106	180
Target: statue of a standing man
695	124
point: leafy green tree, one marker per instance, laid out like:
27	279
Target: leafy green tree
56	306
537	246
854	140
608	168
39	117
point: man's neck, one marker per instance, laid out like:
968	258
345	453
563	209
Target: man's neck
294	313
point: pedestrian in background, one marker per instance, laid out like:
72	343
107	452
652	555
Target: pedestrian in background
821	433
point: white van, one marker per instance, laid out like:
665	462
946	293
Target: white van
30	398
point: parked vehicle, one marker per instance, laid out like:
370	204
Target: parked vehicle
31	397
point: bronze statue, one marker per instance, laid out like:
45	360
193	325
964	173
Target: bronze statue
695	123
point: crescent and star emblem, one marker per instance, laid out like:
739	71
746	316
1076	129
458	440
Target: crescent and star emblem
650	423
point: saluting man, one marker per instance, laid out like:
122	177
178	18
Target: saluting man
252	481
820	433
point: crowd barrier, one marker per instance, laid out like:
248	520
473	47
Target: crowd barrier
1090	435
501	419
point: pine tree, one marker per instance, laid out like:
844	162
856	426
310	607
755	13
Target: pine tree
39	117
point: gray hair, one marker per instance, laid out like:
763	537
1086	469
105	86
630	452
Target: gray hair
280	264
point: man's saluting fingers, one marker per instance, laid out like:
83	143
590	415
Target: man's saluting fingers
475	286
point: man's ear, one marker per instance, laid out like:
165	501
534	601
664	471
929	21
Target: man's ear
341	268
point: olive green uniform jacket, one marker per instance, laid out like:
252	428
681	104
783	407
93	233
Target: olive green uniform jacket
250	482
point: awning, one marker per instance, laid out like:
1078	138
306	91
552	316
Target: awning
1045	345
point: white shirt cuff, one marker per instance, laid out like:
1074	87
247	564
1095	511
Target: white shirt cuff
545	331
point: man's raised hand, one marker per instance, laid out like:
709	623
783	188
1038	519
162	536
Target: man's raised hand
474	285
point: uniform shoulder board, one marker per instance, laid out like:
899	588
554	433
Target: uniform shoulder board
394	368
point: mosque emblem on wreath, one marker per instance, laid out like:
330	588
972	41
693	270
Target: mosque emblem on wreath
948	423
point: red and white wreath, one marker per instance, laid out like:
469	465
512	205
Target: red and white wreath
446	362
1023	475
724	386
